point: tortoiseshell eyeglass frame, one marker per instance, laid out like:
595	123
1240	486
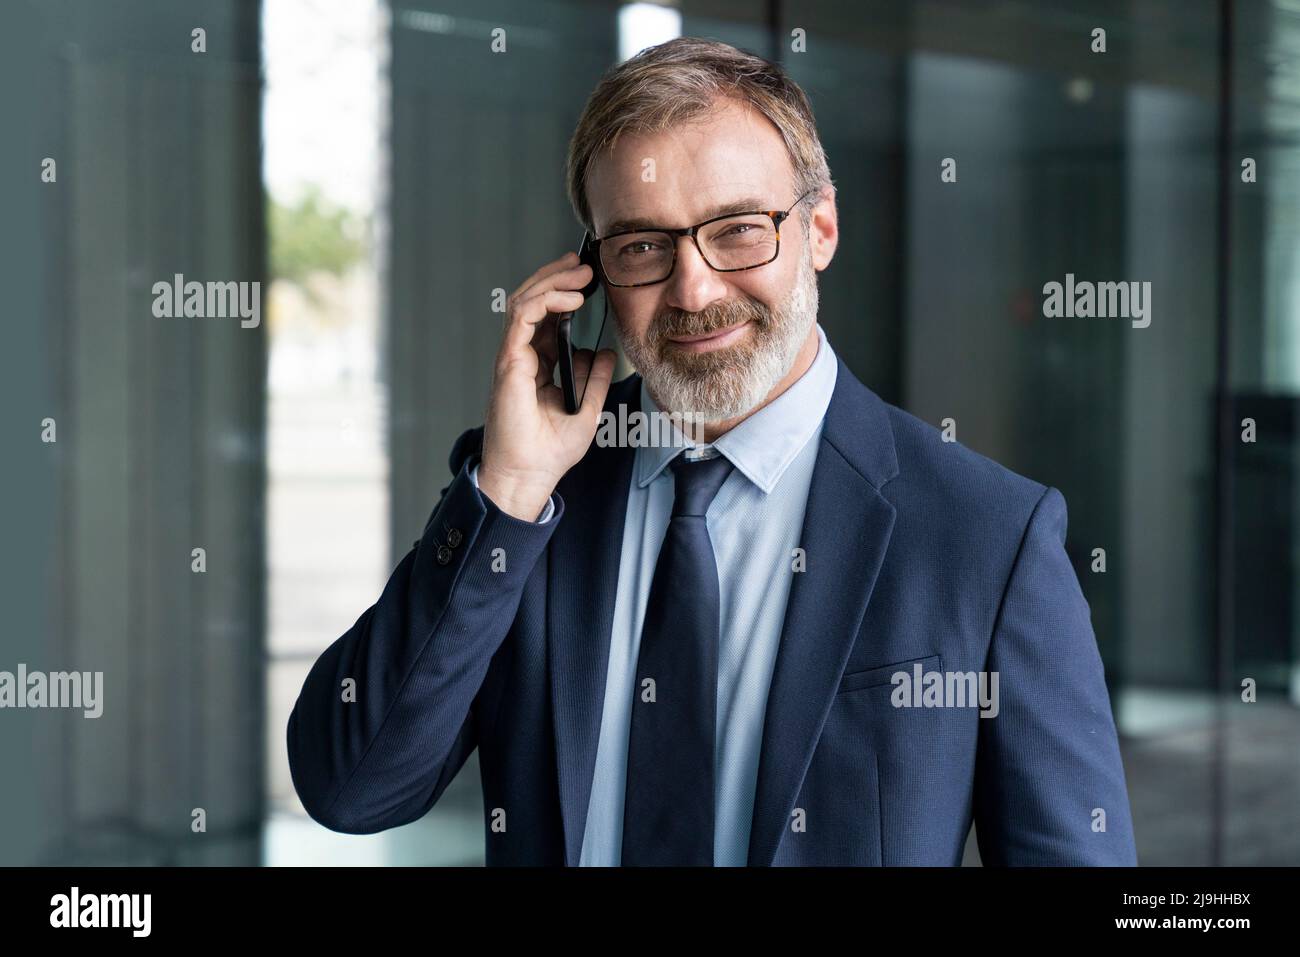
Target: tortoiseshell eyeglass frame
778	217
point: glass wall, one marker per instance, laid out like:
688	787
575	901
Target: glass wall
134	481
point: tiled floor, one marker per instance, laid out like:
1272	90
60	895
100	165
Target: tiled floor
1170	776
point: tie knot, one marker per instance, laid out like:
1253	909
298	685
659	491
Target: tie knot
697	483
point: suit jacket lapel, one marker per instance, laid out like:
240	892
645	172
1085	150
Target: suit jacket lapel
846	531
583	578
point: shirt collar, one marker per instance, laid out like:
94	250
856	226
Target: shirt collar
763	445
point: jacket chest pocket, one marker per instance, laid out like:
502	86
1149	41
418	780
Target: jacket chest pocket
884	675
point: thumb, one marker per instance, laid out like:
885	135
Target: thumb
598	381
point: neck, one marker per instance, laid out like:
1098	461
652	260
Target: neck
802	363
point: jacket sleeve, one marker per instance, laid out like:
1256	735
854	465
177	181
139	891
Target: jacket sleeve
387	715
1048	765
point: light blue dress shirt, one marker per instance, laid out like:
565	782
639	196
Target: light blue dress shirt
754	524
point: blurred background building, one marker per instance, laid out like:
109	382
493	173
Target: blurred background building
380	170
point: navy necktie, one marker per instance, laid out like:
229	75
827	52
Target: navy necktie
668	810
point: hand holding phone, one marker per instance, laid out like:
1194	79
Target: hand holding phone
530	440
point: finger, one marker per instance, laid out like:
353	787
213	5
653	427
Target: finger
599	377
516	355
544	340
567	280
567	261
544	336
570	275
548	351
528	313
581	368
551	396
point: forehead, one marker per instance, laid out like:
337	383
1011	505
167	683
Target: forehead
682	175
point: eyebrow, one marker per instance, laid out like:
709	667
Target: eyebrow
746	205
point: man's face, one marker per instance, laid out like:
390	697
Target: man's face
711	345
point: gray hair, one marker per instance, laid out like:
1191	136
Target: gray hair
681	80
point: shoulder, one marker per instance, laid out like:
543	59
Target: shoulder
946	496
953	474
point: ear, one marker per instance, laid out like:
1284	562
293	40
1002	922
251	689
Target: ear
823	229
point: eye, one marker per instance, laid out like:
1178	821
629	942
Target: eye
638	247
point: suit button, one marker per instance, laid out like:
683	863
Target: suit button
444	555
453	537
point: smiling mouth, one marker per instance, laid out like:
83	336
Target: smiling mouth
707	341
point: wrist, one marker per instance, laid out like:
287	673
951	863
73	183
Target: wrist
521	497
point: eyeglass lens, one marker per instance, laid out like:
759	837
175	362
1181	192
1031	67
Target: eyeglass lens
737	242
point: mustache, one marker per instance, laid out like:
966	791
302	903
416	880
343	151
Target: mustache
718	315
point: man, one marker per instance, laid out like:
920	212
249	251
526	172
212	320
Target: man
744	652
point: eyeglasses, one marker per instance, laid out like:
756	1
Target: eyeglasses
730	243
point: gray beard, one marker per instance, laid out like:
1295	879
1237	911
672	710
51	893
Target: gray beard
727	383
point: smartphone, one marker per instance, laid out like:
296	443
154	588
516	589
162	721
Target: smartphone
564	329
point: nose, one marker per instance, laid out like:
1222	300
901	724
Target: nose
694	284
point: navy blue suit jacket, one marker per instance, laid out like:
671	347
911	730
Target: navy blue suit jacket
494	633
